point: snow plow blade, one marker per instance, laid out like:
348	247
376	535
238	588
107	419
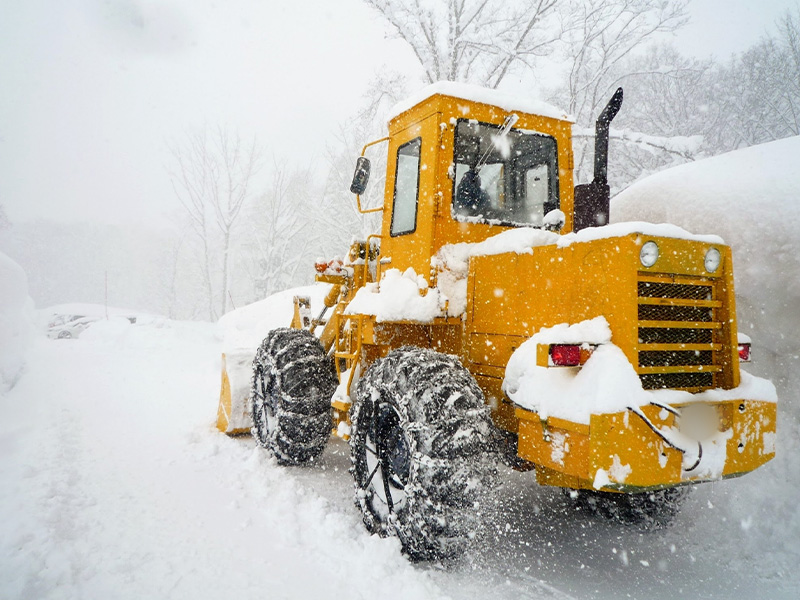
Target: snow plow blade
233	414
626	451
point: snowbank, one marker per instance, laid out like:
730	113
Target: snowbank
247	327
16	321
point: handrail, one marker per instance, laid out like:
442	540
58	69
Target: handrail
365	211
377	257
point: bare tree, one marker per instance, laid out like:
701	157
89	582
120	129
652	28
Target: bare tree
338	220
599	38
477	41
761	88
276	244
212	177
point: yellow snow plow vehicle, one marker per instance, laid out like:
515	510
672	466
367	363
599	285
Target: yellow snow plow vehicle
497	315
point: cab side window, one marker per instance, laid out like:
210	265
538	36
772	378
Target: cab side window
406	188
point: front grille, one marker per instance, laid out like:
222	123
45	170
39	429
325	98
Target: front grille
678	332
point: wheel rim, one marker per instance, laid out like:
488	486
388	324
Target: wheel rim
388	460
264	417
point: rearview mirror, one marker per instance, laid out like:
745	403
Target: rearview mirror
361	176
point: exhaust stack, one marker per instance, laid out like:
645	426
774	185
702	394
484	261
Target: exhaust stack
592	199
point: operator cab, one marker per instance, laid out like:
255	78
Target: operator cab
466	163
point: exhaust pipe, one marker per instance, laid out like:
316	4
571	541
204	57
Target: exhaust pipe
591	205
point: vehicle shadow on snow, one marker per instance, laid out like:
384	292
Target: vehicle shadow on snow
537	539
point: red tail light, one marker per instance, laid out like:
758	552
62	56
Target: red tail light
744	352
565	355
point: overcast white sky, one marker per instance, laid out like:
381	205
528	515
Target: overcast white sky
92	90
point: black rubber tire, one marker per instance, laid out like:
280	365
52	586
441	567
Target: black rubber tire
648	510
421	451
290	396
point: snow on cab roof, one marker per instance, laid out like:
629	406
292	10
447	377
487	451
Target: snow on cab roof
476	93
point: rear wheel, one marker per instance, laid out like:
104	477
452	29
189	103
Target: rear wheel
648	510
293	381
420	452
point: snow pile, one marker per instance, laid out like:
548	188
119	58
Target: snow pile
115	326
476	93
398	297
246	327
16	321
607	383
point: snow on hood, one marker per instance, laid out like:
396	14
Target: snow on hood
452	260
476	93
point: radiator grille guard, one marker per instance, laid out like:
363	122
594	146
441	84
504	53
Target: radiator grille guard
680	334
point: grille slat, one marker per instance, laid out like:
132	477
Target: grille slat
679	381
654	312
650	289
675	358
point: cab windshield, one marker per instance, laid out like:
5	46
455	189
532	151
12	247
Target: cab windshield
507	179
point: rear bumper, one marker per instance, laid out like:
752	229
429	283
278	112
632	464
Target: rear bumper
644	448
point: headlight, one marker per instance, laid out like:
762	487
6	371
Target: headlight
649	254
713	258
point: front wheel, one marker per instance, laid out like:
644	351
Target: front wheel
420	450
290	396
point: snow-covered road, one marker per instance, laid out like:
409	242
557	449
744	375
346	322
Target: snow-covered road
114	484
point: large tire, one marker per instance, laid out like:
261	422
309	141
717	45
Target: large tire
648	510
421	452
290	396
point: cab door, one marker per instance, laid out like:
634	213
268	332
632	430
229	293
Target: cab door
407	232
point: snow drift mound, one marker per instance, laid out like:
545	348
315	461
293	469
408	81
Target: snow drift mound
246	327
16	321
